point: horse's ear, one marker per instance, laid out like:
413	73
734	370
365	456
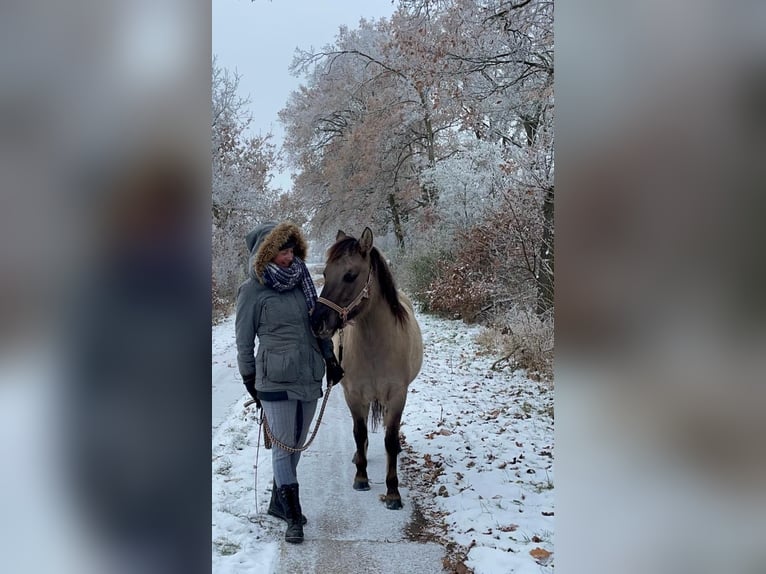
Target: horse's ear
365	241
340	235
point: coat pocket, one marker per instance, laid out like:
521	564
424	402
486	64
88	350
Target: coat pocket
282	366
317	365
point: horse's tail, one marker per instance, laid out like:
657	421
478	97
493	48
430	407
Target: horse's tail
376	415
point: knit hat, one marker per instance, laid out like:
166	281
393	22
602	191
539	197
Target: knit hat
290	243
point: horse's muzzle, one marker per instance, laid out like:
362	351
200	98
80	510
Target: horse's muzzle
320	323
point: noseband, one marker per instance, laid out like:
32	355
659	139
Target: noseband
344	311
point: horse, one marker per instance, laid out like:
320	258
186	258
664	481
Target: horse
380	346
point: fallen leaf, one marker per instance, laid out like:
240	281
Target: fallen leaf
540	554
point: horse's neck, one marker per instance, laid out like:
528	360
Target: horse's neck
378	313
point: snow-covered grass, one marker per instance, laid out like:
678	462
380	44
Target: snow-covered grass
480	444
478	461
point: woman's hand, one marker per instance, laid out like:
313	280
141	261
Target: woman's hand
249	382
334	371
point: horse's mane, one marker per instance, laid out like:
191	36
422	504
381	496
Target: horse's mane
379	266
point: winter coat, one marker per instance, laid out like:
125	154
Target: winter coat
289	363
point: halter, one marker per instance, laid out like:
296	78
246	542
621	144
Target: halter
344	311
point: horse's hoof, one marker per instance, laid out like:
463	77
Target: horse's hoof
394	504
361	485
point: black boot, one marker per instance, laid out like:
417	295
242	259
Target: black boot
288	496
275	506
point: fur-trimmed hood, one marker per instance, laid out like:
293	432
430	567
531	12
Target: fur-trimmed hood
265	240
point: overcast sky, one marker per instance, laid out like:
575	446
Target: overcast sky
258	39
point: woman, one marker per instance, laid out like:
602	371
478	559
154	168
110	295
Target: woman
285	376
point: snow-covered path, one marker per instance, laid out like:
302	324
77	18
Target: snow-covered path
227	384
348	531
478	461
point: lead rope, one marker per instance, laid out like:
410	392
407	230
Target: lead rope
257	456
269	438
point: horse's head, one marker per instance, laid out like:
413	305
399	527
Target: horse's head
347	279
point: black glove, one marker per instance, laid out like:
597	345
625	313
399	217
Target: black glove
249	381
334	371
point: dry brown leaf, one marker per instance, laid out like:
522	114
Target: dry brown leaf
539	553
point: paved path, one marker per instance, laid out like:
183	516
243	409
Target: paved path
351	531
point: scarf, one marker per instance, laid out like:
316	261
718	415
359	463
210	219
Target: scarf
286	278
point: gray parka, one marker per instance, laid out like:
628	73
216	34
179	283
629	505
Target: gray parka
289	363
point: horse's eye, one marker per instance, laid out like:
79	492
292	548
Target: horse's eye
350	277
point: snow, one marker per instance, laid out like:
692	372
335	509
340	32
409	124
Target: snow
226	391
478	464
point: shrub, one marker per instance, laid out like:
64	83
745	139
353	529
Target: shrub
523	340
223	304
420	272
466	282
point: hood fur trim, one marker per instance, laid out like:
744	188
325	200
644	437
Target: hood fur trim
270	245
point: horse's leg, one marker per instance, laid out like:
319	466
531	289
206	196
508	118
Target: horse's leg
393	448
359	415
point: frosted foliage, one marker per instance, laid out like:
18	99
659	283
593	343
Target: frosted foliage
431	124
468	184
240	182
361	128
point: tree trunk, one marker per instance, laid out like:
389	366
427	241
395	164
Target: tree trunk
397	221
429	192
530	127
545	277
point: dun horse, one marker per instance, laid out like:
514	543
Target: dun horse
379	343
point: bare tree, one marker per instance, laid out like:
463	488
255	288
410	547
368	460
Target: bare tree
241	176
